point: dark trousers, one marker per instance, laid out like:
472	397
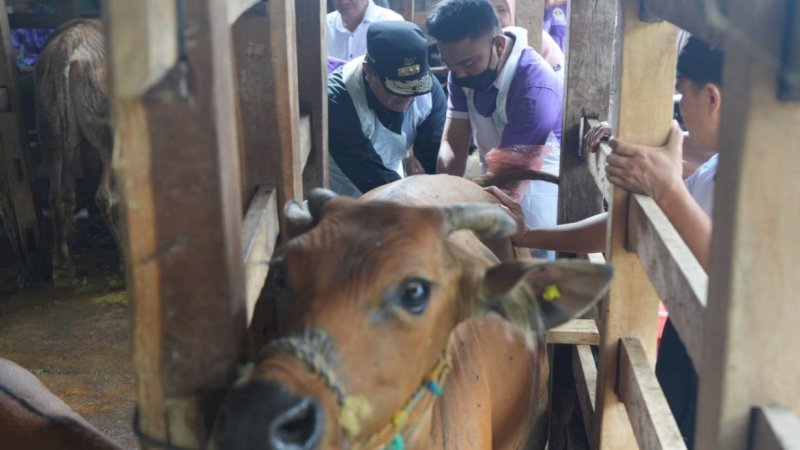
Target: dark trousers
678	380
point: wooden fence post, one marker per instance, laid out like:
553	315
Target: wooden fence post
17	205
177	161
587	84
312	83
530	15
750	342
644	77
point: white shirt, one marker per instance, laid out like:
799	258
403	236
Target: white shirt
345	44
701	184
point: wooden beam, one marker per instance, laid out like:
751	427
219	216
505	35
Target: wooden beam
269	115
260	233
576	332
312	82
146	46
750	341
679	279
585	370
641	112
775	427
405	8
705	20
652	420
17	205
238	7
530	15
176	156
587	82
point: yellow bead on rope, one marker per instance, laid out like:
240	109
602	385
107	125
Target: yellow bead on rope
399	419
551	293
354	408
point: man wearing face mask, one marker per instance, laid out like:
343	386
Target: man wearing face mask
503	93
379	106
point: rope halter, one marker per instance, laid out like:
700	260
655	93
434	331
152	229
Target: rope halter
354	408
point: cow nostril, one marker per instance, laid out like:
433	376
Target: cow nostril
298	427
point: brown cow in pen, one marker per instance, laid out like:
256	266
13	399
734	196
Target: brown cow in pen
33	418
403	321
72	116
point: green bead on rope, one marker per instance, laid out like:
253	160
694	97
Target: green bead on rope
397	443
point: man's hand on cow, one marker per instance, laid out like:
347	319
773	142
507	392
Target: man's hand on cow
514	209
592	138
655	171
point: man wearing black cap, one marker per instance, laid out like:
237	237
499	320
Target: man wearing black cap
379	106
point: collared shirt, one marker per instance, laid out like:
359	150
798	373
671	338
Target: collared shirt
353	151
701	184
345	44
533	107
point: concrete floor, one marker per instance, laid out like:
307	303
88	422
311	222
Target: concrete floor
77	340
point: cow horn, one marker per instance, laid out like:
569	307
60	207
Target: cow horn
317	199
298	219
485	219
297	214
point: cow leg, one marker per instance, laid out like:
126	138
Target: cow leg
62	207
107	200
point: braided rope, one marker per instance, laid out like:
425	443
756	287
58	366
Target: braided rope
352	408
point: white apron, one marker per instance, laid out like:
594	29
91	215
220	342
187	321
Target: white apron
540	200
391	147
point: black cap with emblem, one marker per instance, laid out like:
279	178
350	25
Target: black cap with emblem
398	51
700	62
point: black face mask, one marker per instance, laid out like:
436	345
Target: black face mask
481	81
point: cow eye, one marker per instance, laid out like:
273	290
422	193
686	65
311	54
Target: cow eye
414	295
277	275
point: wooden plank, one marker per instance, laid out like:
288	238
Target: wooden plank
20	216
312	82
652	420
177	157
576	332
147	44
750	341
703	19
585	370
586	92
260	232
530	15
405	8
679	279
25	20
304	136
641	111
775	427
269	117
238	7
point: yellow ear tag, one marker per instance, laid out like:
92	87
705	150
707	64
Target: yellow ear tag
551	293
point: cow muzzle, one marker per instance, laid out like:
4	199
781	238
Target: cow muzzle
265	416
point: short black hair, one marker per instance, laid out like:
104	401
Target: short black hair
701	63
454	20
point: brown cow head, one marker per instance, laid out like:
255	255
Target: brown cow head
360	308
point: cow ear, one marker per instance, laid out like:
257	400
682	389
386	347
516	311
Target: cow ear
537	296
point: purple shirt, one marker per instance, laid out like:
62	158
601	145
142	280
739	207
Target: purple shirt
555	23
334	63
533	105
